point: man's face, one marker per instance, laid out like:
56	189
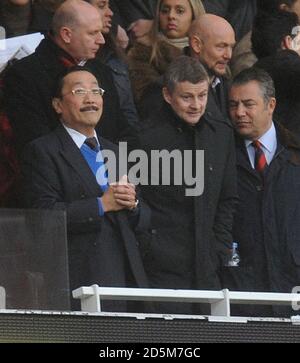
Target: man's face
79	112
188	100
106	14
250	113
86	38
175	18
215	50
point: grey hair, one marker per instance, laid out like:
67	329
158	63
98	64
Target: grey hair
264	80
184	69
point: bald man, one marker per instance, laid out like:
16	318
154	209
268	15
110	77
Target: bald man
75	39
211	40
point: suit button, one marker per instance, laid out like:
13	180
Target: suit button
210	168
259	188
82	196
91	219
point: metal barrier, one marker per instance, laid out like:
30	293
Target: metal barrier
2	298
219	300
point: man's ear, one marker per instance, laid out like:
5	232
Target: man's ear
287	42
272	105
56	103
196	44
166	94
66	34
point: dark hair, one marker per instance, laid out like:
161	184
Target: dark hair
284	68
258	75
50	5
60	82
184	69
269	30
272	5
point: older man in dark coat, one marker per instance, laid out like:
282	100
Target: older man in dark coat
266	224
61	172
192	234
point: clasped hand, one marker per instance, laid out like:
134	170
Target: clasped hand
120	195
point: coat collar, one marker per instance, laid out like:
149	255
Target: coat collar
52	56
181	125
286	141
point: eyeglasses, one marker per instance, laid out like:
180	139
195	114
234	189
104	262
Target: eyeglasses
82	92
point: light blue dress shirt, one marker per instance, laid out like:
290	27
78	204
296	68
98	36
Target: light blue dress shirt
269	145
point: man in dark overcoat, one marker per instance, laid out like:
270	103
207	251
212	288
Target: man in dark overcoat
192	215
64	171
266	223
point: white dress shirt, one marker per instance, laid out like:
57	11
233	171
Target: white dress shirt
268	143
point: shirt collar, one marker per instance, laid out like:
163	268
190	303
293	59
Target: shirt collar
77	137
268	139
82	63
215	81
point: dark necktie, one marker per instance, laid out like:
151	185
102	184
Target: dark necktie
92	143
217	94
260	158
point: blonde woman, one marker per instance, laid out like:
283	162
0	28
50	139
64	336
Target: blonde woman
168	36
173	20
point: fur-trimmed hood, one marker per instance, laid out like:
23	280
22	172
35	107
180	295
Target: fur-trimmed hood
142	72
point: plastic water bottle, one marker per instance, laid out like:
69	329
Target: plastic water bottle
234	260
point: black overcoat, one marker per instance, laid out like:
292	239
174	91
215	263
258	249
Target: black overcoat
266	224
192	234
102	250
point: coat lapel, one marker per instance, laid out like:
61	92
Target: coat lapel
242	158
75	159
218	111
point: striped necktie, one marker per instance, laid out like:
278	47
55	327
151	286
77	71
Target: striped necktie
92	143
260	157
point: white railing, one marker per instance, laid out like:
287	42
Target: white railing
219	301
2	298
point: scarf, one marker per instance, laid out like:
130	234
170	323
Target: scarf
179	43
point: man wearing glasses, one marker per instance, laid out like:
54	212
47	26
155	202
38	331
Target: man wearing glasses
60	172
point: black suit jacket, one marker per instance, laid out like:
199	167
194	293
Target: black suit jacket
102	250
218	100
